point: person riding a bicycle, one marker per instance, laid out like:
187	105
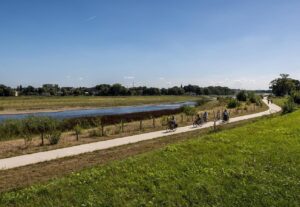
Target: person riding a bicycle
172	125
198	120
225	115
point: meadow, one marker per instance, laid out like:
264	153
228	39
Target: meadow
253	165
39	103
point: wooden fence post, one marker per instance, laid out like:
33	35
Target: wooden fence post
122	126
102	130
153	122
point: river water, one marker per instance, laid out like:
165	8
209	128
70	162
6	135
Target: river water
100	111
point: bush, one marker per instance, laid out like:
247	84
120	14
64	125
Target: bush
233	103
189	110
241	96
95	133
10	128
296	97
164	120
289	106
53	137
78	130
44	125
252	97
1	108
202	101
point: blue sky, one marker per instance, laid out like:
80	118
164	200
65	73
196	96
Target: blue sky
240	44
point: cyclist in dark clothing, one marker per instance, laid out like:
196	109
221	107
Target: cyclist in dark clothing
225	115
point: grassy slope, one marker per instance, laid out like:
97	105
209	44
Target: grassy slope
254	165
32	103
280	101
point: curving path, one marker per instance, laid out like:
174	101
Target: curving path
23	160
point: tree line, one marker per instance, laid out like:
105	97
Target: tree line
113	90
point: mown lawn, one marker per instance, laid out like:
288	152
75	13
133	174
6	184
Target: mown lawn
254	165
55	103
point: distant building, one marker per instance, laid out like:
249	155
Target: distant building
16	93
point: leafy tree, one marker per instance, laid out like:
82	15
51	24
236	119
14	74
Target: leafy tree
252	97
118	90
44	125
5	91
189	111
296	96
289	106
233	103
78	130
284	85
241	96
103	89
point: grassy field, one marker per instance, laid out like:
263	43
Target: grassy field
254	165
58	103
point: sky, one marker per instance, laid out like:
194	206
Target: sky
161	43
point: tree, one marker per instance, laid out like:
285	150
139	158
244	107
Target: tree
118	90
44	125
296	96
233	103
241	96
78	131
103	89
5	91
284	85
189	111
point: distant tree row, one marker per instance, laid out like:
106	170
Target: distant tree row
113	90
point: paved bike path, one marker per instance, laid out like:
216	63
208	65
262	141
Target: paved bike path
23	160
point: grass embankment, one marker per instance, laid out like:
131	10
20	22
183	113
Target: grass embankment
29	104
254	165
280	100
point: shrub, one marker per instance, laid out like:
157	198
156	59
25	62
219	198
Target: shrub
44	125
252	97
296	97
164	120
233	103
241	96
53	137
202	101
189	110
78	130
288	106
10	128
95	133
1	108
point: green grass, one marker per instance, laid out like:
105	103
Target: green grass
280	100
254	165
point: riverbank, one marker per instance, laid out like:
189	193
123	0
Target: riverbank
35	104
114	130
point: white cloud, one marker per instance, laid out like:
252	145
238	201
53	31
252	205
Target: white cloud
91	18
129	77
